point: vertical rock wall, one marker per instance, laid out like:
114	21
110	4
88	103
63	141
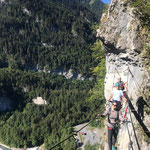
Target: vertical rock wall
120	33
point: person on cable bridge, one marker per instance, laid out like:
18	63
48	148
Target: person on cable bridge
121	84
117	95
114	116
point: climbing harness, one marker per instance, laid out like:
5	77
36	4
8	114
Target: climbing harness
125	112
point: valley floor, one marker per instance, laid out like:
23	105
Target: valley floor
4	147
88	135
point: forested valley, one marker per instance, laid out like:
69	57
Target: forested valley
49	35
29	124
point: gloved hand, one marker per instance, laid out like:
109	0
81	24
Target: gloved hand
102	116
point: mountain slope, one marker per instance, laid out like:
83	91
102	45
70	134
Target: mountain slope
95	6
46	33
27	124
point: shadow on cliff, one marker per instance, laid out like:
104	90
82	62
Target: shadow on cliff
139	115
140	104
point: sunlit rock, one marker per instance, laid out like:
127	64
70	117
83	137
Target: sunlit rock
39	101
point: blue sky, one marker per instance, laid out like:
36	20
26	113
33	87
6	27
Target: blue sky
106	1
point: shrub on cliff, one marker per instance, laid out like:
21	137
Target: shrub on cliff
143	7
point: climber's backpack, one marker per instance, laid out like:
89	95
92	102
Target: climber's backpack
121	85
116	120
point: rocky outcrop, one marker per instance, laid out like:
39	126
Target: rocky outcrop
120	33
39	101
68	74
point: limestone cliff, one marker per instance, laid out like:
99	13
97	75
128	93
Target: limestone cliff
121	34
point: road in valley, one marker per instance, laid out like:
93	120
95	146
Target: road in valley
88	135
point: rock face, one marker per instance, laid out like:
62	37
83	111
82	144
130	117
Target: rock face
120	28
120	33
68	74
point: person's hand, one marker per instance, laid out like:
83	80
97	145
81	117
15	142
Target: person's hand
102	116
